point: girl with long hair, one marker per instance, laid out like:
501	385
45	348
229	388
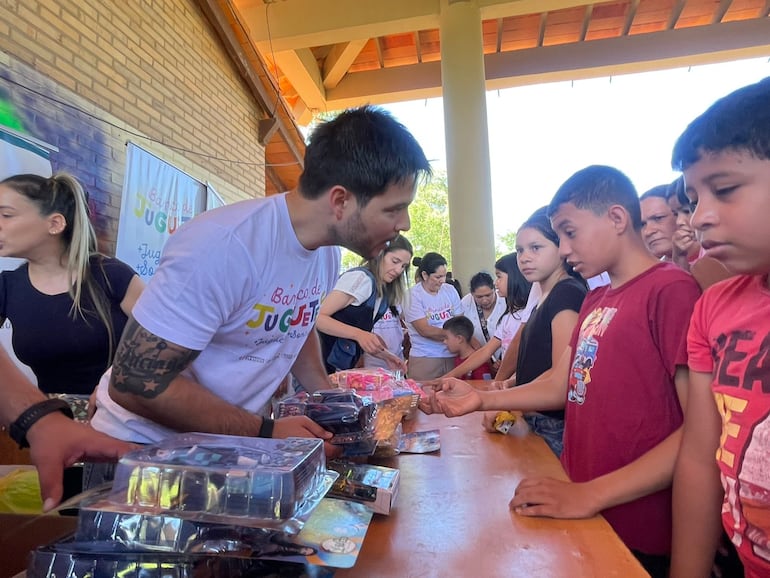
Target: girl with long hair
547	333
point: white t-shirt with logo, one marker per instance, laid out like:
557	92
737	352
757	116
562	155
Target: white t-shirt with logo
389	328
235	284
511	322
435	309
471	312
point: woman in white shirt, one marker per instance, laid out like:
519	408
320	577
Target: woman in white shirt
484	307
361	297
431	303
511	284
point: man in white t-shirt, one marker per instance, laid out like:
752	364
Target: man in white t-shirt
232	308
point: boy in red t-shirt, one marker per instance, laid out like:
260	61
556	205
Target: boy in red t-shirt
458	333
725	157
622	379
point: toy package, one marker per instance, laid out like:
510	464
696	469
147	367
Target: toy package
345	414
254	482
376	384
376	487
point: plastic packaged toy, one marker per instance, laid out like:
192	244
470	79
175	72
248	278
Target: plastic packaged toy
253	482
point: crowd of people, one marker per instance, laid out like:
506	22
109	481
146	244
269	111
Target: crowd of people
653	388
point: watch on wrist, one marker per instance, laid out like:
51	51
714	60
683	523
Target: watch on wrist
29	417
266	429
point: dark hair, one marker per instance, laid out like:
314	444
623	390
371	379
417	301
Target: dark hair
739	121
596	188
676	189
428	263
395	291
517	291
660	191
481	279
540	222
364	150
460	325
454	283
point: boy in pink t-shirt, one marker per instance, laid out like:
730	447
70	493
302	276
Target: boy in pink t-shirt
458	332
725	157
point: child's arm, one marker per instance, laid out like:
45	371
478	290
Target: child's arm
649	473
476	358
546	392
511	358
698	491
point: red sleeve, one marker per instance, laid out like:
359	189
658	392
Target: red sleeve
698	348
671	318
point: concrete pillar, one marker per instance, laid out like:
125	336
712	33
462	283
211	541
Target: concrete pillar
467	139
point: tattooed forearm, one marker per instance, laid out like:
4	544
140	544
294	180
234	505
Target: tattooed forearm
145	364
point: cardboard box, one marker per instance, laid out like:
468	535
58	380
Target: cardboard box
20	534
376	487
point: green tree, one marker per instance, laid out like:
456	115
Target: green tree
506	243
429	214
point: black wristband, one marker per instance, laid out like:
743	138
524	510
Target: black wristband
29	417
266	429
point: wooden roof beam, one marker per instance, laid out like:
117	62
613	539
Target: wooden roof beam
301	70
380	51
239	56
604	57
586	22
541	28
308	23
633	6
493	9
338	61
676	12
719	13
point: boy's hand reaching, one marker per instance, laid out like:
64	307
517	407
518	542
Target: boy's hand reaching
457	397
554	499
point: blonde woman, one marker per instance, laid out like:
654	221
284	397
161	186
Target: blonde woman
361	297
67	304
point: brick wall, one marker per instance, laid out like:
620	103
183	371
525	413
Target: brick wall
88	75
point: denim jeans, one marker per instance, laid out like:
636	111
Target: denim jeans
551	429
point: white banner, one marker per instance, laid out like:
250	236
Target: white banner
157	199
19	155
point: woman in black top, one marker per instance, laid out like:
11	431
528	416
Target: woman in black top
67	304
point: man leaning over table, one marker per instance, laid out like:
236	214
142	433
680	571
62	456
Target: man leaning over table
232	307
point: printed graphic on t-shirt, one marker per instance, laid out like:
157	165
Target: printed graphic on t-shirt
288	314
742	384
436	317
593	326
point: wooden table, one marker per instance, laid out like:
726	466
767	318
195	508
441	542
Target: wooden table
451	516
